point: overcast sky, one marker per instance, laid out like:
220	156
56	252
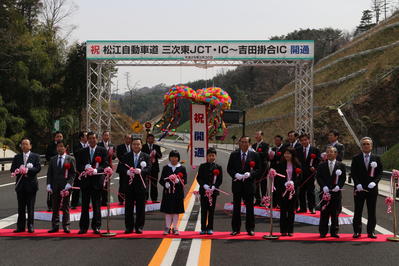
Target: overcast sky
204	20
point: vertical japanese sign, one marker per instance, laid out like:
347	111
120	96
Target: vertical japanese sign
198	134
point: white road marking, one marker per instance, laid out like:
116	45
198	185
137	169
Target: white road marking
378	228
13	183
195	247
171	253
10	220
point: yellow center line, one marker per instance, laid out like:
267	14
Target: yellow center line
165	244
205	252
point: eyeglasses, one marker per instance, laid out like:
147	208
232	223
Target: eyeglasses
364	144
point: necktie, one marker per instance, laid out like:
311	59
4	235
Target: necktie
59	161
331	167
91	154
150	147
135	161
243	160
25	158
127	148
304	153
366	161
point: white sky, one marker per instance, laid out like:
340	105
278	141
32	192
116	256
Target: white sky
203	20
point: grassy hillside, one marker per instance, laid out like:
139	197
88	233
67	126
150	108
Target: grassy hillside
390	159
364	94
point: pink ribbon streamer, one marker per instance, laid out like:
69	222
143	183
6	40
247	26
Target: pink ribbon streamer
326	198
290	188
389	204
131	169
266	200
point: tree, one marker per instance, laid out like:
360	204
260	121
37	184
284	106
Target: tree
376	7
365	22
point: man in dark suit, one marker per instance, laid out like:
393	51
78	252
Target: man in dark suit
51	151
275	160
262	149
243	185
135	191
76	151
60	175
94	157
155	153
309	157
293	141
121	150
331	176
26	185
366	171
333	136
106	143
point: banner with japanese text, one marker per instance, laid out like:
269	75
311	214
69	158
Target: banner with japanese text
198	134
201	50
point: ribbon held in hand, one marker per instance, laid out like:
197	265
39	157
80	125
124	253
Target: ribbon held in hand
98	161
290	189
108	173
208	194
266	200
67	166
326	198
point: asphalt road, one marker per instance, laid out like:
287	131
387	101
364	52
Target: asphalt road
104	251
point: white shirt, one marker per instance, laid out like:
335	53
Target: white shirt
258	144
331	165
279	147
246	155
136	157
62	159
174	166
26	157
294	143
307	150
289	171
84	145
127	147
366	160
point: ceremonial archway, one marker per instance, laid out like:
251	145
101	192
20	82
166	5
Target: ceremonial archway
102	55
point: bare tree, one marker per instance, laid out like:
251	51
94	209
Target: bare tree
376	7
54	17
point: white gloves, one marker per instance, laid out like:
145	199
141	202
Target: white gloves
87	166
239	176
177	180
29	165
128	173
68	186
336	189
167	185
288	183
371	185
213	188
206	187
137	171
143	164
247	175
359	187
325	189
94	171
49	188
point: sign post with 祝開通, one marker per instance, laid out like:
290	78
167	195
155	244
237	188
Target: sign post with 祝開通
199	134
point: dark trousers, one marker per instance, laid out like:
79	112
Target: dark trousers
260	189
287	214
333	209
95	196
277	196
138	199
249	203
26	201
207	212
371	201
55	220
49	200
306	192
152	184
75	193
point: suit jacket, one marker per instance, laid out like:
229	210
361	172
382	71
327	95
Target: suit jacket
51	151
157	148
205	176
96	181
121	150
325	179
279	181
56	176
263	153
110	145
137	184
29	182
274	163
297	145
234	167
305	162
362	175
